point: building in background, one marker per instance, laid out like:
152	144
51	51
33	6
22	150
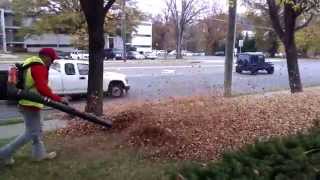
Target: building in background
142	37
60	42
9	31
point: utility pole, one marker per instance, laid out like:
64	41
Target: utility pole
230	48
3	31
123	27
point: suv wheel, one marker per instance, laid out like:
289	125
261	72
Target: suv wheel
270	71
238	70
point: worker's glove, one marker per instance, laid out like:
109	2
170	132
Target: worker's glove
65	101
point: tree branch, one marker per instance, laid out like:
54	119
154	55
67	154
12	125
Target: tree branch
305	23
275	18
108	6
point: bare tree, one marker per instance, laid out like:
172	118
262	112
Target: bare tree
287	17
182	13
163	33
95	12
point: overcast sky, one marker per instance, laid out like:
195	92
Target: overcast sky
156	6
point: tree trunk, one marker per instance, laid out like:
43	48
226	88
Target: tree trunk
230	48
178	41
291	49
95	15
293	68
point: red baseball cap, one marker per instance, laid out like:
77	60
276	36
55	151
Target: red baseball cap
50	52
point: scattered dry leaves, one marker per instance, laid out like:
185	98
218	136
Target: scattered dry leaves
202	128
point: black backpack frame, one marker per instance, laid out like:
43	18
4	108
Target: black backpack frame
21	73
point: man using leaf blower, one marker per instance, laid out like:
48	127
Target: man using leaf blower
35	79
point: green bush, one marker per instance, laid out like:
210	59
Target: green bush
295	157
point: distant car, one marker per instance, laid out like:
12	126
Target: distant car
199	54
187	53
112	53
63	55
253	62
151	55
219	53
161	52
135	55
79	54
280	55
172	53
108	54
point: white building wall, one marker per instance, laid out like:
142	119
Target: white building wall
60	42
142	37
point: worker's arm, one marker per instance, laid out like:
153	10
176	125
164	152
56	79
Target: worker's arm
40	76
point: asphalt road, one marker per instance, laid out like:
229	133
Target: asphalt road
152	80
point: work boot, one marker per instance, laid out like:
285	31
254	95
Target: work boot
49	156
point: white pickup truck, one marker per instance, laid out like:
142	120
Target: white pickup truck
70	77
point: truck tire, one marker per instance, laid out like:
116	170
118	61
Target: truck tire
116	89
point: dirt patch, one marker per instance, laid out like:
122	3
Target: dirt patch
202	128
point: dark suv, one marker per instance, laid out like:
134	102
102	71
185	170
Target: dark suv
253	62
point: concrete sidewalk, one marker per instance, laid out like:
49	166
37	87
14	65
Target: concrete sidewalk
10	131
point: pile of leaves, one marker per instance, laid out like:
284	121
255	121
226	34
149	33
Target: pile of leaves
202	128
292	157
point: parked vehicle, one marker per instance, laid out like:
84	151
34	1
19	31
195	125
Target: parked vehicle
79	54
112	53
253	62
199	54
187	53
280	55
219	53
172	53
151	55
183	52
134	55
70	77
161	52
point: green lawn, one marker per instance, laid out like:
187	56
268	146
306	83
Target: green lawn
94	157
